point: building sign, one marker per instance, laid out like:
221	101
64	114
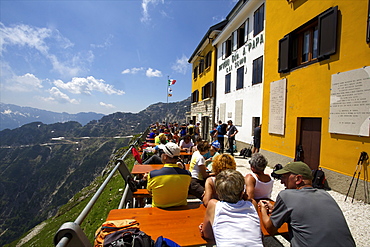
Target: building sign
239	58
350	102
277	107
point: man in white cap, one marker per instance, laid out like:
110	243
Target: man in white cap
314	218
169	185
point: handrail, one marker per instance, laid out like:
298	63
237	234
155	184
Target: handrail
71	231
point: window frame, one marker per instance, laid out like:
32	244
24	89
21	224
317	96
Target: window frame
241	36
327	26
195	72
240	78
257	74
195	96
227	83
207	90
258	20
201	66
208	60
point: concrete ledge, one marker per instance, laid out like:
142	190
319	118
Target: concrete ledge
274	158
341	183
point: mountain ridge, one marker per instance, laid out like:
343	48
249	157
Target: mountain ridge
43	165
14	116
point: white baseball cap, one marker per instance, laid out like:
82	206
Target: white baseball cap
171	149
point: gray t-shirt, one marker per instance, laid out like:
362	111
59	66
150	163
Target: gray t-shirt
314	218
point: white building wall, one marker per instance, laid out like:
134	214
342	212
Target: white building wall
251	95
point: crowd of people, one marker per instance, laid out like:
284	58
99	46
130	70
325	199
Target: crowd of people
232	200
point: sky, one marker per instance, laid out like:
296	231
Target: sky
101	56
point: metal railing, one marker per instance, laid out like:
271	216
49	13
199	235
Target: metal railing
70	233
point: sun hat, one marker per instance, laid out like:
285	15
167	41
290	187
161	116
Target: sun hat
216	144
298	168
171	149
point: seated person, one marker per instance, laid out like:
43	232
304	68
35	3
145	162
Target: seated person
157	139
221	162
198	170
213	152
302	207
186	143
197	140
259	185
156	157
152	135
231	221
169	185
176	137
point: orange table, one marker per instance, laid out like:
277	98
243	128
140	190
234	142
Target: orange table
283	230
180	224
144	168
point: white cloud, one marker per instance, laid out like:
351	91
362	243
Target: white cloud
110	106
24	35
181	65
24	83
58	96
44	40
144	5
153	73
105	44
132	71
80	85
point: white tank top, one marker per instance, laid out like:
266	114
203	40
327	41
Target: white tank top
236	224
262	190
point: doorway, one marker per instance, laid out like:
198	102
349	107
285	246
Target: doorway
310	141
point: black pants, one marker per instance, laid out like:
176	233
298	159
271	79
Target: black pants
231	145
196	188
221	141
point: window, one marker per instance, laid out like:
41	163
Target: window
234	39
195	72
258	19
315	40
246	38
209	59
305	45
226	48
257	70
207	90
241	35
240	78
195	96
227	83
201	66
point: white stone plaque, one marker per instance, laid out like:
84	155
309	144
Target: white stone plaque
277	107
350	102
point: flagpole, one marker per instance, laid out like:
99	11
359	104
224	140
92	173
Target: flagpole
168	85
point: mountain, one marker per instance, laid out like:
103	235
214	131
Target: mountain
13	116
43	165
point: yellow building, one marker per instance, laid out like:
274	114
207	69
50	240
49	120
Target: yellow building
316	95
203	61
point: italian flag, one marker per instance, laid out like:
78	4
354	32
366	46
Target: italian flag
171	82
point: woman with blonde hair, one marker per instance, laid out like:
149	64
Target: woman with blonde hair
221	162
